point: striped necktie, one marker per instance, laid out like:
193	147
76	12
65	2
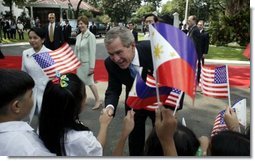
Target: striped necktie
51	33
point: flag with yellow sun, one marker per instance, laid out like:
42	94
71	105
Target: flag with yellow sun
174	57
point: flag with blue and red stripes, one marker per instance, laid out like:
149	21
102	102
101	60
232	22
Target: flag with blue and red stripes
219	123
172	99
214	81
61	60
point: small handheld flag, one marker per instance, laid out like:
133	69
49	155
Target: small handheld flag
62	60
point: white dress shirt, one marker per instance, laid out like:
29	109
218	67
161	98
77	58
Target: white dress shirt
82	143
17	138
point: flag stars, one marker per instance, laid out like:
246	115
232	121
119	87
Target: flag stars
172	54
153	33
158	50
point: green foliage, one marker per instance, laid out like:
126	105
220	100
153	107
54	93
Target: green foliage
153	3
231	25
120	11
142	11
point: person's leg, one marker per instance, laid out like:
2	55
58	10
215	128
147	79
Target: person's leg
198	70
95	93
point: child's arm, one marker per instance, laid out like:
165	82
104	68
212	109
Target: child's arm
104	121
128	126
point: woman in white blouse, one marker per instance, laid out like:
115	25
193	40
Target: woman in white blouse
36	39
85	49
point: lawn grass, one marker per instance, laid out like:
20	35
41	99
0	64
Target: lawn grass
226	53
9	41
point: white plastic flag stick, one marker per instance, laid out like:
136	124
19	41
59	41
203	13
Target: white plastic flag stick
183	122
154	66
229	100
186	11
177	103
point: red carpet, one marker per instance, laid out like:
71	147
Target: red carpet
239	76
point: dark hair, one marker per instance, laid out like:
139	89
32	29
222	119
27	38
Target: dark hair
151	14
185	140
229	143
60	111
13	83
39	31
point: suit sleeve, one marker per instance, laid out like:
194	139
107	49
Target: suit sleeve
206	43
196	36
114	88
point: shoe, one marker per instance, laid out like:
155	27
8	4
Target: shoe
97	106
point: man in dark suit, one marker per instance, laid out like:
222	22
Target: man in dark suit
54	37
93	29
204	39
194	34
123	54
134	32
67	29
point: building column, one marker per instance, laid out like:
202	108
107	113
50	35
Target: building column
31	12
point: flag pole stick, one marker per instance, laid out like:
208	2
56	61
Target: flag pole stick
229	100
154	66
157	90
186	11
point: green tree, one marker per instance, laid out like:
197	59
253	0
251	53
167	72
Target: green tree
154	3
17	2
143	10
120	10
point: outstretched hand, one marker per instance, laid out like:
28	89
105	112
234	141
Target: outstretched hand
165	126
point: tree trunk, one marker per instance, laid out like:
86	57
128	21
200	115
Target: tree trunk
78	9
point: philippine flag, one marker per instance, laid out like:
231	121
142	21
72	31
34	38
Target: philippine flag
174	57
142	95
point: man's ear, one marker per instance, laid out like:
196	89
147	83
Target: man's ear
16	106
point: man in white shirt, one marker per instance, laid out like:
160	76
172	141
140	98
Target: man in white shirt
149	19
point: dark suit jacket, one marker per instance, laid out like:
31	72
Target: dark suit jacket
118	76
58	37
135	34
67	29
194	34
204	42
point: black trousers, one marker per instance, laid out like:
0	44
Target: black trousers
199	61
136	138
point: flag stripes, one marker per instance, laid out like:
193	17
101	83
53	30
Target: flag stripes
214	81
172	98
219	123
62	60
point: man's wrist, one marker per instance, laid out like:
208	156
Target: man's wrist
110	106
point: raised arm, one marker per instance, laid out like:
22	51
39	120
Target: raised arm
128	126
165	126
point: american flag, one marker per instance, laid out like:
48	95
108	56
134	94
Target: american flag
219	123
62	60
172	99
214	81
